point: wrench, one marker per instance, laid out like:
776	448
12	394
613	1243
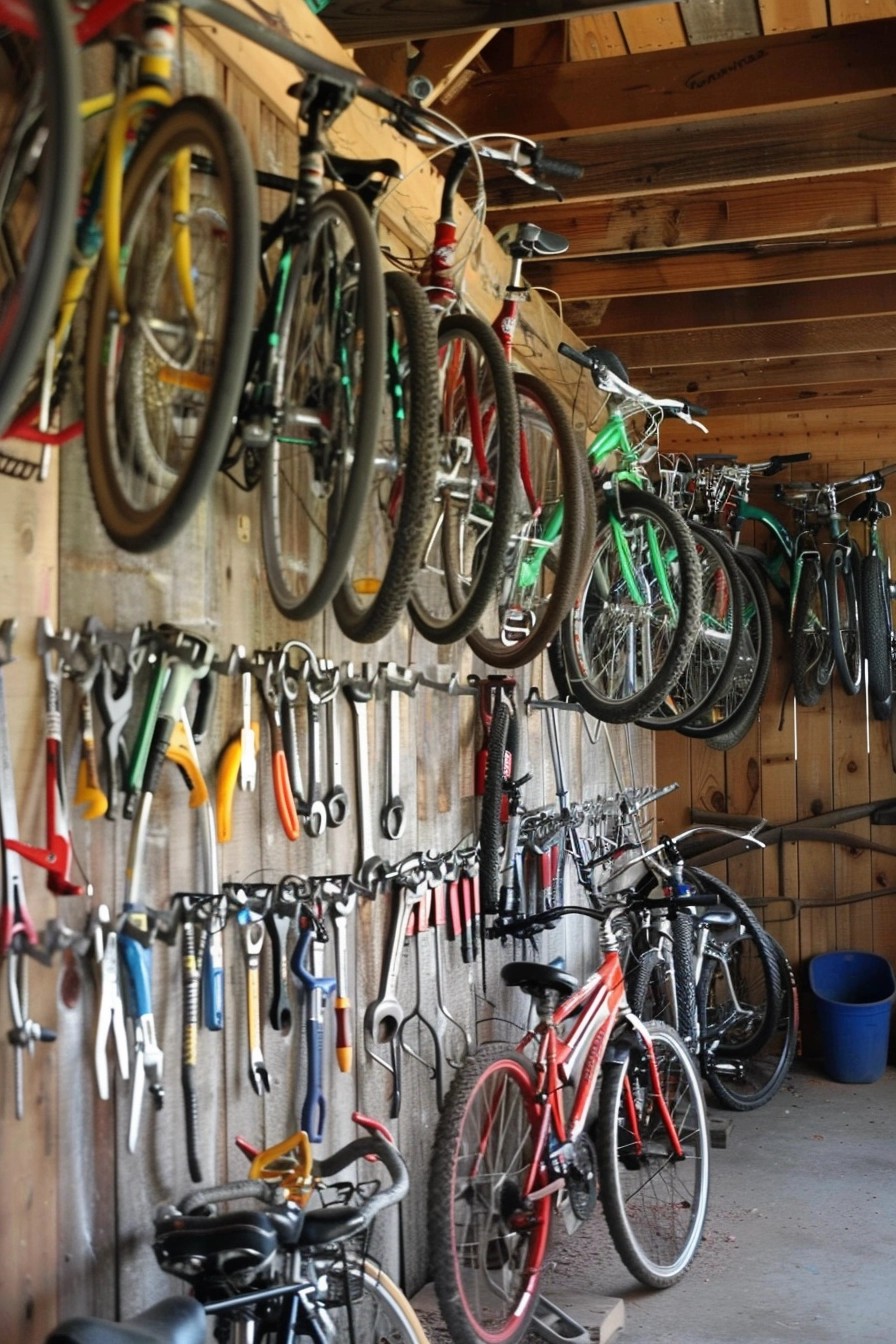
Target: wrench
383	1019
359	691
253	941
279	920
336	800
396	680
318	988
316	814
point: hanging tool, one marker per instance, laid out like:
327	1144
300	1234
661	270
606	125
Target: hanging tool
83	671
383	1018
267	669
252	929
396	681
18	937
238	761
320	688
56	855
194	935
279	919
336	798
444	871
359	692
136	951
342	906
120	657
318	988
110	1016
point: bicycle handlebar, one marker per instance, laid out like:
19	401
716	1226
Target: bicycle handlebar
608	381
271	1193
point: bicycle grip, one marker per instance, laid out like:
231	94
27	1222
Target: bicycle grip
782	460
577	356
544	164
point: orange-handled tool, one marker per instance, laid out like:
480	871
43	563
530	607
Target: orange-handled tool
342	908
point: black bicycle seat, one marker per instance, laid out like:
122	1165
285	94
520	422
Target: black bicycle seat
533	977
176	1320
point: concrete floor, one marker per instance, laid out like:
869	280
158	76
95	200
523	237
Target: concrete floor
800	1241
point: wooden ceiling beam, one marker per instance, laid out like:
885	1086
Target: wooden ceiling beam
811	301
754	212
764	147
685	84
358	23
621	274
864	369
762	341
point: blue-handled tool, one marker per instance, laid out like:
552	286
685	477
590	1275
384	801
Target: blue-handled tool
148	1058
318	989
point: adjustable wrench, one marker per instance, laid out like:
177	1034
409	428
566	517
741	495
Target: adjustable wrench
359	692
396	680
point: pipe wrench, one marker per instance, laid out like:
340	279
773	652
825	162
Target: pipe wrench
318	988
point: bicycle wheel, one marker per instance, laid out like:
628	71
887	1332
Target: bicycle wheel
633	625
163	380
727	721
741	1077
318	469
552	526
813	660
40	160
662	980
487	1241
841	579
365	1304
654	1201
713	663
470	515
877	635
390	536
503	744
758	957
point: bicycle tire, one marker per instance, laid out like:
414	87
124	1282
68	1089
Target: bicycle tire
813	659
615	671
746	1080
538	582
759	1029
877	635
713	662
503	743
319	466
486	1268
655	1205
39	199
366	1304
842	593
390	537
162	389
470	514
728	721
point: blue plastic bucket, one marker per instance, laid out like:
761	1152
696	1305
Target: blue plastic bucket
854	992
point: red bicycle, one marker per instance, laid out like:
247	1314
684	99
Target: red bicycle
512	506
521	1137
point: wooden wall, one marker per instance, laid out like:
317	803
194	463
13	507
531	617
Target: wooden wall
797	762
77	1207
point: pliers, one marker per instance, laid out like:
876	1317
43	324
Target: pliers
110	1017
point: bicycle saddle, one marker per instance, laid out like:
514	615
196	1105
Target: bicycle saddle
531	240
176	1320
533	977
234	1246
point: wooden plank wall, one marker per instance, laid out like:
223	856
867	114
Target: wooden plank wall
75	1235
798	762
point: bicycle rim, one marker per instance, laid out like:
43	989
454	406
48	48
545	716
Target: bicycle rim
743	1079
162	387
655	1204
486	1242
318	468
712	664
634	623
390	536
470	513
550	535
813	660
40	157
